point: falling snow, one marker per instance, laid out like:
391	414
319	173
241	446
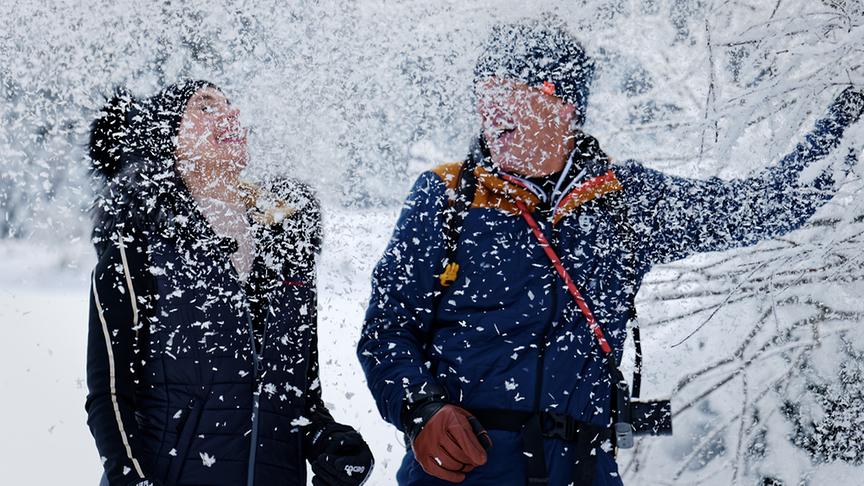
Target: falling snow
760	348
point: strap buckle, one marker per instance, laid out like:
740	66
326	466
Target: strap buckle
557	426
449	275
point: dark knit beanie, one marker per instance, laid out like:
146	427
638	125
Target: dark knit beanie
160	123
539	52
147	127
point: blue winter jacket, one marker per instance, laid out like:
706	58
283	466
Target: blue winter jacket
481	338
194	376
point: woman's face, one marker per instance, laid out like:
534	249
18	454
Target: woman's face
211	140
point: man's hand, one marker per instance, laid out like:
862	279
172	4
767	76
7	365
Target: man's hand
451	442
342	459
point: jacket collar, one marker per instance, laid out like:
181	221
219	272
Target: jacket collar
588	190
508	187
582	179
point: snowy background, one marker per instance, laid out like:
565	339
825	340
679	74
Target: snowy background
358	97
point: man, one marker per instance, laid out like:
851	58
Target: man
518	327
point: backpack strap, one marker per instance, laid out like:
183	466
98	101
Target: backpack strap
617	207
454	215
645	417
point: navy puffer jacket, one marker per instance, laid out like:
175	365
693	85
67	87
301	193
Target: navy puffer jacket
194	376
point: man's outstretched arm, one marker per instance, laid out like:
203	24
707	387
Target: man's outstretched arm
676	217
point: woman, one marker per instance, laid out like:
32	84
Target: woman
202	364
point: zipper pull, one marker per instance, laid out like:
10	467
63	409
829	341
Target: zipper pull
184	415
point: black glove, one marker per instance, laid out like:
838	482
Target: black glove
145	482
342	457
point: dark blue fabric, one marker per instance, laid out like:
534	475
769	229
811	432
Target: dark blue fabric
201	352
480	342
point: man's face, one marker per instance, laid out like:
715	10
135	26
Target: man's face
525	129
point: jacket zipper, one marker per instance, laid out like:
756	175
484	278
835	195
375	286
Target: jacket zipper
257	368
256	395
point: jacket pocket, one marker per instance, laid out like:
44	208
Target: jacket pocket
186	427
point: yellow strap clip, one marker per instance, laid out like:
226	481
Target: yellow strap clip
448	276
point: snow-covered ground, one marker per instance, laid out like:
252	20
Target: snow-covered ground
43	310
